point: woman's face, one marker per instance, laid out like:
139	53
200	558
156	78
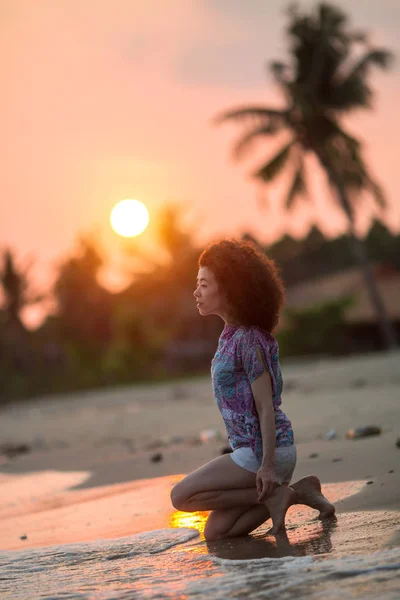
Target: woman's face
209	299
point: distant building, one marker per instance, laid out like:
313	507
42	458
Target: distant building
360	317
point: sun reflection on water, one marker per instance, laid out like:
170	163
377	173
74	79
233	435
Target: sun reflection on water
193	520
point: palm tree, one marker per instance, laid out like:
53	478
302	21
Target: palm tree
17	294
16	289
322	82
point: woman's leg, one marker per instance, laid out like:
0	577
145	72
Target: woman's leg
222	484
278	503
218	484
234	522
308	492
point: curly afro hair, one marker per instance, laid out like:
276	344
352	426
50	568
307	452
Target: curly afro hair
250	281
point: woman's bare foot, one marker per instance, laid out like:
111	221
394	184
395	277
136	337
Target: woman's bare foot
278	504
308	491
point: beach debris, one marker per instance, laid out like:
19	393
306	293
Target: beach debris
314	455
361	432
336	459
391	471
398	443
13	450
226	450
369	482
23	537
331	435
358	383
156	458
208	435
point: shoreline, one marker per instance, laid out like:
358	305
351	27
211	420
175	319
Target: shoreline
56	506
102	465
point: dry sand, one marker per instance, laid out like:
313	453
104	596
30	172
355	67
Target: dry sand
90	475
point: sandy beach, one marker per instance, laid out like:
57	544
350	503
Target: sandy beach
92	472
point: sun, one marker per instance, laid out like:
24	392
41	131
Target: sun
129	218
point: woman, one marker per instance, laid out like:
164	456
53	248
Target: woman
244	488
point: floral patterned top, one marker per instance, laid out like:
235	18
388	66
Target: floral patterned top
234	367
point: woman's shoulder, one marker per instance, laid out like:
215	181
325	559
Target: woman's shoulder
251	336
253	333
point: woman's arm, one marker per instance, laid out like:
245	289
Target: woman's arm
262	393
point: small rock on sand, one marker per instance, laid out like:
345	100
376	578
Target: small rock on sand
12	450
361	432
155	458
358	383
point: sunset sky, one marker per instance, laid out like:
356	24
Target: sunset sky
105	100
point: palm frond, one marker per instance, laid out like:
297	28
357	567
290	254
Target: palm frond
298	186
352	90
351	93
349	140
251	112
377	192
378	57
347	162
331	18
246	142
269	171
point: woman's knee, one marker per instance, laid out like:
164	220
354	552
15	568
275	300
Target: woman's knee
213	530
186	499
220	523
178	498
211	535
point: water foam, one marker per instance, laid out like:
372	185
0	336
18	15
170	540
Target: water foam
154	565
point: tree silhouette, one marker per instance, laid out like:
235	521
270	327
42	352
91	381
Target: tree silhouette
83	306
17	289
326	79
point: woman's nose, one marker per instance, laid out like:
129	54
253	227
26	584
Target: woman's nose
196	292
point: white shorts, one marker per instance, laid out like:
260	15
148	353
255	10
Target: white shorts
285	461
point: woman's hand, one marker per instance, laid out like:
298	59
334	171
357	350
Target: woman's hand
265	482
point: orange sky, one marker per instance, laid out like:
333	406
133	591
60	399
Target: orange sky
106	100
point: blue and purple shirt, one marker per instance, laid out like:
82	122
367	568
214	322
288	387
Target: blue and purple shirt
234	367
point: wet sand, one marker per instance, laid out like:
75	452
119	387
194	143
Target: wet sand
80	483
50	512
76	503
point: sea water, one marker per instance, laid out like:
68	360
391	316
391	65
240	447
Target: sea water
175	564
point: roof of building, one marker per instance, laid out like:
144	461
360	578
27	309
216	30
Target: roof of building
349	282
